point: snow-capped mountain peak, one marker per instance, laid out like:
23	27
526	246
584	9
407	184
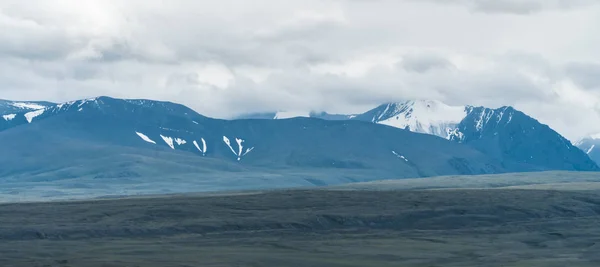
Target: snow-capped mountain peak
424	116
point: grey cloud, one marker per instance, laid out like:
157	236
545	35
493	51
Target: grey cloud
421	63
586	75
520	7
508	6
299	89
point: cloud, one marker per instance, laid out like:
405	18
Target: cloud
519	7
237	56
584	74
425	62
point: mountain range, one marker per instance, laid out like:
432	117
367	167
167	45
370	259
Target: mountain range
108	146
506	134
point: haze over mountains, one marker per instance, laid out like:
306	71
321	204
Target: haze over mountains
591	146
105	146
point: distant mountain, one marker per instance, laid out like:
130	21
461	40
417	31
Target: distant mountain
127	139
10	108
288	115
520	142
515	138
591	146
422	116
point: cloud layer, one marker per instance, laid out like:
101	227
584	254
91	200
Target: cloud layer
232	57
520	7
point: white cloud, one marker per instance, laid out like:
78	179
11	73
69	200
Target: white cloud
228	57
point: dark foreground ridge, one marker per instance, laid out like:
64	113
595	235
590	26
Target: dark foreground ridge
309	228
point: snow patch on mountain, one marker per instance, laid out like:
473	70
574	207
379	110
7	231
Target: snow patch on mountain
168	140
180	141
240	149
145	138
9	117
228	143
399	156
31	115
24	105
240	146
197	146
203	149
590	149
248	150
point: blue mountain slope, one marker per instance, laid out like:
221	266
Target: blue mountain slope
70	140
520	141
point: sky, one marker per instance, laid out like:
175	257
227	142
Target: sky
229	57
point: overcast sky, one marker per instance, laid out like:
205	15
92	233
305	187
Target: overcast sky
227	57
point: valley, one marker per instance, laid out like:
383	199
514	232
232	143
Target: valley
449	227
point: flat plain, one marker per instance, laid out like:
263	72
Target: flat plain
454	227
